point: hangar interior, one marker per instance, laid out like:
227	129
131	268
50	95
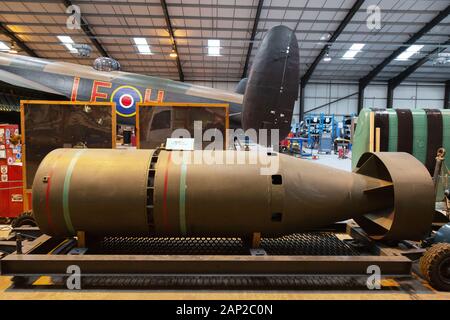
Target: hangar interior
357	91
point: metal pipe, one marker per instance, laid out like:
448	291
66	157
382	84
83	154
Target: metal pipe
440	158
18	243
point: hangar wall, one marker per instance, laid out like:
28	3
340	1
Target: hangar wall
406	96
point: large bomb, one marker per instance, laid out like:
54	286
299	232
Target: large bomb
160	193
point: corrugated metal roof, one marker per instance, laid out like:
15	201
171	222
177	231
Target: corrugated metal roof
115	23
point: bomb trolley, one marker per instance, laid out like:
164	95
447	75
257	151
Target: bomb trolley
206	262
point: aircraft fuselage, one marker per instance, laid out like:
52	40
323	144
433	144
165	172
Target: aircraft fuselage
83	83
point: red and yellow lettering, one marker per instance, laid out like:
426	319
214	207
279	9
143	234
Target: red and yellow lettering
95	94
148	95
76	83
160	96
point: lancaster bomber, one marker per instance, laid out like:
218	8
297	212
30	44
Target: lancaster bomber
263	101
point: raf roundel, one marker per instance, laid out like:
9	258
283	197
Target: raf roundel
125	98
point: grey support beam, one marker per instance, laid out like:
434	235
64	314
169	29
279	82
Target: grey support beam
219	29
300	7
301	101
360	97
186	17
4	29
332	39
252	37
172	36
87	30
331	102
390	95
447	95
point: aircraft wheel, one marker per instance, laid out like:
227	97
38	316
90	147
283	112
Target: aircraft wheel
435	266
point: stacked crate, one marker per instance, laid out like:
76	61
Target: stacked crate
11	185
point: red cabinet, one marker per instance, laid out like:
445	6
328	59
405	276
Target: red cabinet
11	199
11	182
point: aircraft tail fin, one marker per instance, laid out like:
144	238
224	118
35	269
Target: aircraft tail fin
242	85
273	83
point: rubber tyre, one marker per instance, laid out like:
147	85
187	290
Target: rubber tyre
435	266
24	219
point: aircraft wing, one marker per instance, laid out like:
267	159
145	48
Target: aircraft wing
19	81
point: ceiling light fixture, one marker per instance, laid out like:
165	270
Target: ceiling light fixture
13	49
412	50
173	53
325	36
142	45
353	51
68	43
214	47
441	58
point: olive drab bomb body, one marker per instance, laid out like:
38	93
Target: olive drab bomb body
149	193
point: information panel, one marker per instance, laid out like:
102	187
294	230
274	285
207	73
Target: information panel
156	122
49	125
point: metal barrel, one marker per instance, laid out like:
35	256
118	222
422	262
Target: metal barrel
228	194
420	132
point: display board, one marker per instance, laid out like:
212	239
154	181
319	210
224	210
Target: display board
155	122
49	125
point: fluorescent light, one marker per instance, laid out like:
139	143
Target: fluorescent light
325	36
68	43
142	45
412	50
65	39
140	41
213	47
3	46
173	54
353	51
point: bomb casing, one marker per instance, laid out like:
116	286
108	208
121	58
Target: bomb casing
150	193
